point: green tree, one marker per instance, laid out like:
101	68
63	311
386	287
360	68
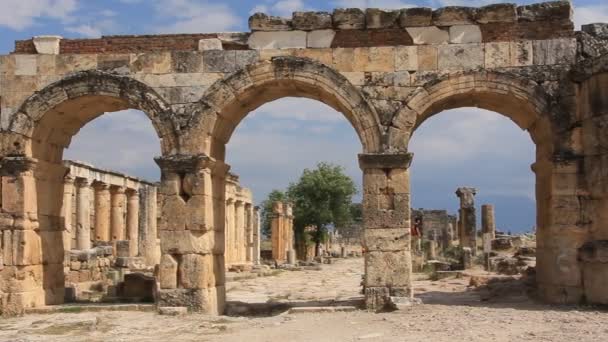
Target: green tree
266	208
322	197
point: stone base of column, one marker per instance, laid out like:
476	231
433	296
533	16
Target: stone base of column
378	299
15	304
562	295
209	301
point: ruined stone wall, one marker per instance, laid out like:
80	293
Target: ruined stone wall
437	225
386	71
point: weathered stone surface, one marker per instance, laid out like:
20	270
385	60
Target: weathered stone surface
498	55
522	53
349	19
391	239
406	58
428	57
168	272
464	34
263	22
413	17
310	21
465	56
378	19
596	30
210	44
428	35
454	15
47	45
278	40
391	269
555	51
554	10
503	13
320	39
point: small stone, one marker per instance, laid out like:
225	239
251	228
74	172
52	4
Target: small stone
173	311
264	22
309	21
209	44
412	17
377	19
349	19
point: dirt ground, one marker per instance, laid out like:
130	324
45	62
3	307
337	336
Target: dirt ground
452	311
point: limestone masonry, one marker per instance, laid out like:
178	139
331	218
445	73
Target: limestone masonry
386	71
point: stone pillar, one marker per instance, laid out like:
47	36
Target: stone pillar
229	231
22	251
468	219
386	222
256	235
191	226
66	212
288	227
118	213
239	241
249	232
488	222
83	214
133	222
276	234
148	218
102	211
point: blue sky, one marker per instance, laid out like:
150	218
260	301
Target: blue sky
273	144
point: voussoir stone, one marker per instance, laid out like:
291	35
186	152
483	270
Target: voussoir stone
349	19
376	18
278	40
428	35
413	17
454	15
264	22
309	21
462	34
554	10
497	13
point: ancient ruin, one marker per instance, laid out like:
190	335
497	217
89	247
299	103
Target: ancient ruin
282	234
386	71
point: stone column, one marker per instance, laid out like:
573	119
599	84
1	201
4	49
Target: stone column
276	234
289	234
256	235
66	212
83	214
102	211
118	213
191	225
133	221
249	232
229	231
488	222
239	241
23	251
148	218
468	219
386	222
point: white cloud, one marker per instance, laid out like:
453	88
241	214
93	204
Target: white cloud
85	30
590	14
300	110
188	16
21	14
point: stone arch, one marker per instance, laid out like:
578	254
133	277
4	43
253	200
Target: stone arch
520	99
54	114
229	100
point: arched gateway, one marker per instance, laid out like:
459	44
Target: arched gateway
386	71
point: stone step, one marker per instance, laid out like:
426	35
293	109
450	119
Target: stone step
77	308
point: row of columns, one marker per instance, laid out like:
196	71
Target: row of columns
242	236
116	214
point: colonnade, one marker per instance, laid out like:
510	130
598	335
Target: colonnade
102	207
242	233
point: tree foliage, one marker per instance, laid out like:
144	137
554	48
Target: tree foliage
266	208
322	197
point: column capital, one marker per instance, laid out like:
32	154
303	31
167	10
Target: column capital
101	186
184	163
68	179
464	191
82	182
385	160
230	201
132	192
118	189
17	164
